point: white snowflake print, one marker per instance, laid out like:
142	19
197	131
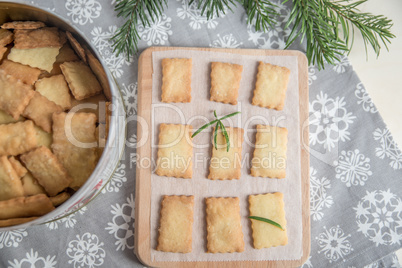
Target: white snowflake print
319	198
388	148
227	41
117	180
273	38
82	11
334	244
33	260
379	217
372	265
353	168
329	121
365	99
341	64
86	251
395	262
193	13
311	75
130	95
102	42
12	238
132	141
307	264
67	221
157	32
122	225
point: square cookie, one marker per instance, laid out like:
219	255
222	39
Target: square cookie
176	80
55	89
14	95
176	224
26	74
10	182
224	228
175	152
40	110
80	79
269	159
226	165
36	205
269	206
41	57
74	144
225	82
271	86
17	138
47	169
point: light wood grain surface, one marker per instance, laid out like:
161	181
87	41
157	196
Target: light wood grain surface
143	177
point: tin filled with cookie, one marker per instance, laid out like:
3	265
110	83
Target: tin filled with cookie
62	121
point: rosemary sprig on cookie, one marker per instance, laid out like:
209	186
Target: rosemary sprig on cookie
267	221
219	124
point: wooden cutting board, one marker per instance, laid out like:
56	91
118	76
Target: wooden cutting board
143	177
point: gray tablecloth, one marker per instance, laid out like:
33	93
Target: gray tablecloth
356	167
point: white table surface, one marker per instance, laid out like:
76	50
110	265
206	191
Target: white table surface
382	76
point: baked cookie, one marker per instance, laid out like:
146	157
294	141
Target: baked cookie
17	138
269	206
271	86
225	82
226	165
269	159
224	228
176	80
47	169
176	224
175	153
74	144
9	180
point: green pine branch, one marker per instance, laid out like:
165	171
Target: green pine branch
134	12
326	25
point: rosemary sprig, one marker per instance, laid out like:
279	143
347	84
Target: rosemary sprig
220	125
267	221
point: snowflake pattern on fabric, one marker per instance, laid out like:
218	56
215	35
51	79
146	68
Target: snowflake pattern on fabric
132	141
365	99
12	238
379	217
68	221
157	33
273	38
86	251
308	263
101	40
334	243
130	97
197	20
33	260
395	262
82	11
117	180
122	225
319	198
388	148
353	168
226	41
311	75
341	64
329	121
